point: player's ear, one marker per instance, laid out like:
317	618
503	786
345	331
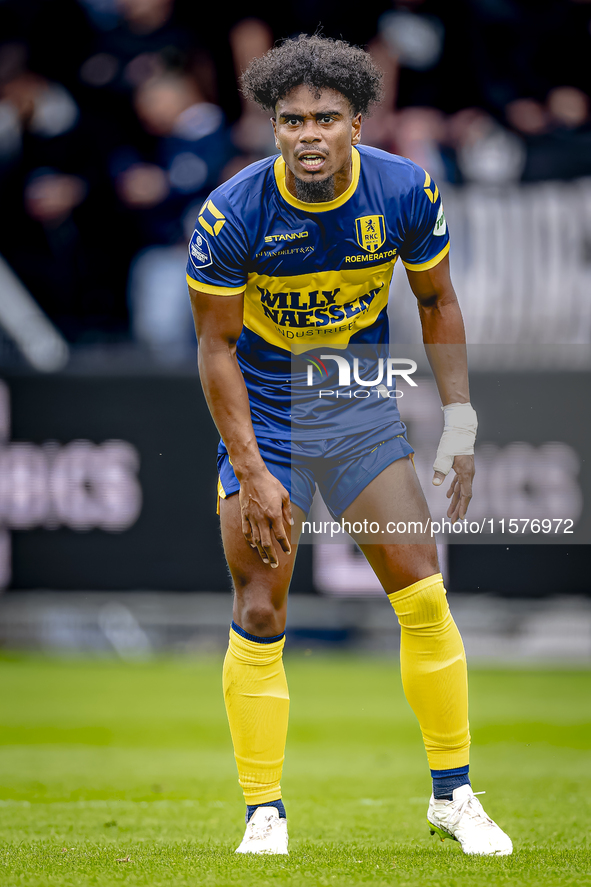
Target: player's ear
274	125
356	129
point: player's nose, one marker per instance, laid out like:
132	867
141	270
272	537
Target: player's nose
310	132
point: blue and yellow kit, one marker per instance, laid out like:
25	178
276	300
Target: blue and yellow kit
315	278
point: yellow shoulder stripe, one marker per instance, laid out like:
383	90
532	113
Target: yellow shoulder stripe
425	266
214	290
214	210
431	194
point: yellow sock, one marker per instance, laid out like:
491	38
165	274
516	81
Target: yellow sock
434	674
257	704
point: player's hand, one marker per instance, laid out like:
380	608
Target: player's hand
456	450
460	491
266	515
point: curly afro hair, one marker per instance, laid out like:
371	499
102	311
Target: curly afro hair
319	62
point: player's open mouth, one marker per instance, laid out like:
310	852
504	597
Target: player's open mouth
312	162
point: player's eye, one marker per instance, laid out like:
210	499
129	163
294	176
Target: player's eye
292	121
326	119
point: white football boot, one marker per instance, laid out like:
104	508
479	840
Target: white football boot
265	833
464	820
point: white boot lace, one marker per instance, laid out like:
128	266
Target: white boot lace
474	808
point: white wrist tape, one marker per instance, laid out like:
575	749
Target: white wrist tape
458	436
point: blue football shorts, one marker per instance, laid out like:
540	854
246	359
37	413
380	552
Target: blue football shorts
341	466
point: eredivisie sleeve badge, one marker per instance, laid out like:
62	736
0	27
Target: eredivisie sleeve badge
199	251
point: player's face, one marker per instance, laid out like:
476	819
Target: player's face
315	132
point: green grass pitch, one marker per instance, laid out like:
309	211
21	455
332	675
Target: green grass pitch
122	774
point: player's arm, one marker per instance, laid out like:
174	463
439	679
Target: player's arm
264	501
445	341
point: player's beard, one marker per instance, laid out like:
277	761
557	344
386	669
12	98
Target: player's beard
316	190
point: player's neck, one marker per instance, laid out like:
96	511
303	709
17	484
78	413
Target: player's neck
319	191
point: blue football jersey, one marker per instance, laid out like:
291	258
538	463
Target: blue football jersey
315	278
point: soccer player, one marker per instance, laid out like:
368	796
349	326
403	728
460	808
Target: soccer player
290	257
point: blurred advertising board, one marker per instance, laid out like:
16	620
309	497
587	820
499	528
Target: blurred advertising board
108	483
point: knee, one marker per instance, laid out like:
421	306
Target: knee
260	617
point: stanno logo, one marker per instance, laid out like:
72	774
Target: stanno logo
294	235
370	232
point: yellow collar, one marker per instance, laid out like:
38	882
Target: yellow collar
279	169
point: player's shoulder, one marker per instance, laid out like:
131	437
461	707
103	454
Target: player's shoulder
393	171
244	190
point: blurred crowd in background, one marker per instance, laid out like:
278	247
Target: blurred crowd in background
118	117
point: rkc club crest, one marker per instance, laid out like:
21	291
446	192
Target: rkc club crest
371	232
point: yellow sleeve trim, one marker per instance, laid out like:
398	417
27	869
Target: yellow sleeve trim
424	266
214	290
